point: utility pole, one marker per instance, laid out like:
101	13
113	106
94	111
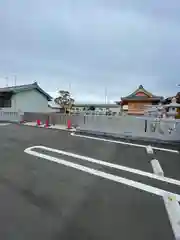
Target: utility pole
6	79
70	88
105	95
15	80
70	102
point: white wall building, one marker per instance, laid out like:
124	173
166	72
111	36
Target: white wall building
99	108
55	107
24	98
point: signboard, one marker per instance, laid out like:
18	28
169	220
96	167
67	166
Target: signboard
125	107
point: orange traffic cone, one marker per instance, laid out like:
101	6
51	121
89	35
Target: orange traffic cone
69	124
47	124
38	122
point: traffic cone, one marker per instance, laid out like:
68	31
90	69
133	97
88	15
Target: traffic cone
38	122
47	124
68	124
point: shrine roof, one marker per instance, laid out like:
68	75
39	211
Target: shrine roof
140	94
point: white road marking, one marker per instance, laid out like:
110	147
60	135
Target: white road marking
105	175
157	169
124	143
170	202
149	149
173	211
108	164
4	124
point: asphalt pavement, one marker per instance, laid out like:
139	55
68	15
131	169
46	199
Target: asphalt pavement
40	199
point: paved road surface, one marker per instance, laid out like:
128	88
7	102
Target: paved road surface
44	200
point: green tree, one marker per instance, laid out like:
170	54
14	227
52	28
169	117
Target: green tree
65	100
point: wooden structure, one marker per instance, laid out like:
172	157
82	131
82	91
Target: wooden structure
139	101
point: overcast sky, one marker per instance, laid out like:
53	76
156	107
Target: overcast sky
90	45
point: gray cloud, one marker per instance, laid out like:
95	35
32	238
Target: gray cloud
91	45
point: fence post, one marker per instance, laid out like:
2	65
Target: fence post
84	119
145	127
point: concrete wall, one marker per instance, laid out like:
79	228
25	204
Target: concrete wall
117	126
133	127
53	118
28	101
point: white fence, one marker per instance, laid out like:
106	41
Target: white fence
131	126
10	116
126	126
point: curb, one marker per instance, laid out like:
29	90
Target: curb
154	142
42	127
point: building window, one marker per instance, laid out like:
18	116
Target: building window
5	103
154	103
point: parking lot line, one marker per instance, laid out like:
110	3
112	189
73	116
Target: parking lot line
170	202
108	164
124	143
173	211
157	169
105	175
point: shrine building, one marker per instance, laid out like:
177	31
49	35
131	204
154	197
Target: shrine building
138	101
